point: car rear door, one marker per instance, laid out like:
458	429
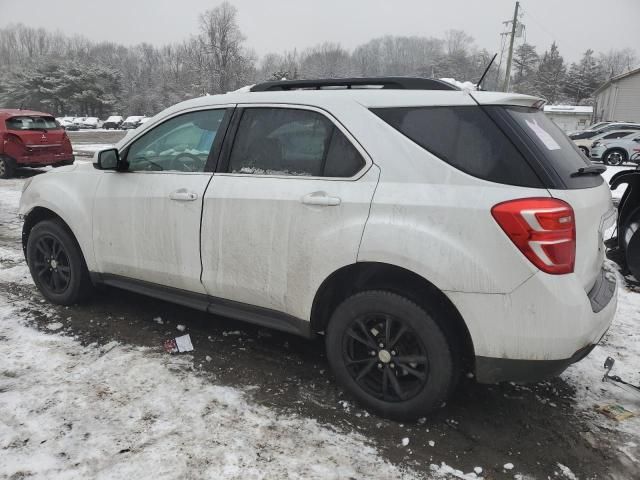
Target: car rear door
147	219
286	209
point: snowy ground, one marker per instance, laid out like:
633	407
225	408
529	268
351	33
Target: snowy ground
81	403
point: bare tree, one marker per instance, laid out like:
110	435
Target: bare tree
222	41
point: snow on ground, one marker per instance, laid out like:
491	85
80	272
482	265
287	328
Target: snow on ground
88	149
121	412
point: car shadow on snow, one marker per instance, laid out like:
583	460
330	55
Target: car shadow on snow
532	426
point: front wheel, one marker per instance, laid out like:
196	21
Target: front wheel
390	355
615	157
56	263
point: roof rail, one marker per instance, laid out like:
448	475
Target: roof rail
394	83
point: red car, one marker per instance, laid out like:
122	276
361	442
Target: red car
31	139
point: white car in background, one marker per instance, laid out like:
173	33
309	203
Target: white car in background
617	151
132	122
425	231
585	144
91	123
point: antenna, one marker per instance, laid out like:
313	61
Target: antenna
486	70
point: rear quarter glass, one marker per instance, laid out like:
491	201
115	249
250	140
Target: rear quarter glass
466	138
547	147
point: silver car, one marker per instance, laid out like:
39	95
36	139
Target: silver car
617	151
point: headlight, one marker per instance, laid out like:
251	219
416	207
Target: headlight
26	183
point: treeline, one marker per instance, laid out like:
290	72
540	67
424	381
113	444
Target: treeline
76	76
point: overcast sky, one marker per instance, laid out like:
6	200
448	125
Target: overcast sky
278	25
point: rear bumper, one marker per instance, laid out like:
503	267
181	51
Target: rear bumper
539	329
44	160
496	370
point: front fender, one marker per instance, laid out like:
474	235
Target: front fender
70	195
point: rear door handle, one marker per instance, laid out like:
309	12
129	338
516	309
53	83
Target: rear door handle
183	195
321	198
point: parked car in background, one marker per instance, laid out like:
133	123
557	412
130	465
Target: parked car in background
585	144
426	231
78	121
132	122
617	151
603	129
91	123
31	139
114	121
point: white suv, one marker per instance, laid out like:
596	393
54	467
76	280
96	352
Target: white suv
424	230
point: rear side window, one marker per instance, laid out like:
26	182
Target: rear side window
286	141
466	138
551	148
31	123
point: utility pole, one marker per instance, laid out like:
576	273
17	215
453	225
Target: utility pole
514	24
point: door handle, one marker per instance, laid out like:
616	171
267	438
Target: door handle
322	199
183	195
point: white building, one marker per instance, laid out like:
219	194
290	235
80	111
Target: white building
619	98
569	117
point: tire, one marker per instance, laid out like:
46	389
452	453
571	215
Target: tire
412	389
615	156
7	167
56	263
584	150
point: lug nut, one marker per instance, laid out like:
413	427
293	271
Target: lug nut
381	345
392	365
379	366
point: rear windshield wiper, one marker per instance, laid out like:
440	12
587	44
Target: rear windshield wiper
590	170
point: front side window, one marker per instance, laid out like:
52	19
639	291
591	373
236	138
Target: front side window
284	141
180	144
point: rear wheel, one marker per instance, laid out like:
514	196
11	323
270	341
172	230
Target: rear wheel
57	264
390	355
615	157
7	167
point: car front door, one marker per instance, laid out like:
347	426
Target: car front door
286	209
147	218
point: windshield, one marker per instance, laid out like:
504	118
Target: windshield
32	123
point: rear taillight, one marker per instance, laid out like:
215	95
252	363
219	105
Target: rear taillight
13	138
543	229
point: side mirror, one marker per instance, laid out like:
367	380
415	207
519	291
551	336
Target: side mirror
107	159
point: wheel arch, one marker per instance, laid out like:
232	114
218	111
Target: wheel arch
37	215
363	276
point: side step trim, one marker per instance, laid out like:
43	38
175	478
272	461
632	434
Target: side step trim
264	317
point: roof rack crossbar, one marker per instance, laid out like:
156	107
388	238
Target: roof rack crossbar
393	83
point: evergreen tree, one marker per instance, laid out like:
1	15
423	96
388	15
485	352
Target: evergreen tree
549	79
525	64
583	78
